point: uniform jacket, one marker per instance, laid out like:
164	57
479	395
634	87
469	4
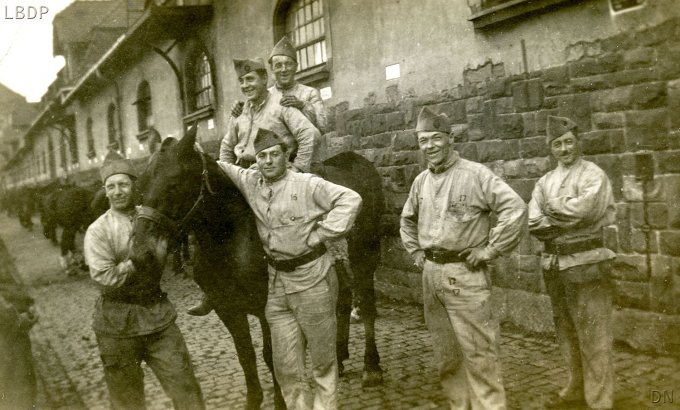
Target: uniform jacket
579	202
106	250
314	109
287	122
293	215
451	209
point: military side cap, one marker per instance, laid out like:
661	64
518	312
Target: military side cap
266	139
116	164
243	67
429	121
284	48
558	126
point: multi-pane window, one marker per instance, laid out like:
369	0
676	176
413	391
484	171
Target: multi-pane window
90	139
306	29
112	126
143	106
202	81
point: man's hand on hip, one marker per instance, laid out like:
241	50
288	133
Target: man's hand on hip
475	257
419	259
337	248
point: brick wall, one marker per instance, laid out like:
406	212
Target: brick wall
624	94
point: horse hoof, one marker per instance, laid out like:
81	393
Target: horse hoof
253	403
371	378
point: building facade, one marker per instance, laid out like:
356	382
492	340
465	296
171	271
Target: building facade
498	68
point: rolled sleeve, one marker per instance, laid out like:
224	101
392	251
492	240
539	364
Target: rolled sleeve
103	268
345	205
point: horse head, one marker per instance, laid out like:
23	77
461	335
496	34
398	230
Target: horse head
170	189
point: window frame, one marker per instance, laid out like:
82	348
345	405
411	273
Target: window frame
144	107
196	54
486	17
313	75
89	137
112	130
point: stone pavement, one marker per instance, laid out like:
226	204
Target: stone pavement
70	374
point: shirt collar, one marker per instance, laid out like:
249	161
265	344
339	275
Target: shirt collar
265	182
453	158
290	87
562	167
259	106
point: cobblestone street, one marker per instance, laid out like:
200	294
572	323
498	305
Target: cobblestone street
70	374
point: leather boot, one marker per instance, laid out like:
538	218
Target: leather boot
201	309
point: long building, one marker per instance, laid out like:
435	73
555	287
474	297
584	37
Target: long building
498	68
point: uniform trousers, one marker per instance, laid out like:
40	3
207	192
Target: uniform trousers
166	354
581	299
299	321
465	335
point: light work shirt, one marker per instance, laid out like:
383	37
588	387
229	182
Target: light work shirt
106	253
450	210
294	214
314	109
287	122
579	200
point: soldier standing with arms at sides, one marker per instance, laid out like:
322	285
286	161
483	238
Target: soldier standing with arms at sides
133	319
568	209
445	226
296	213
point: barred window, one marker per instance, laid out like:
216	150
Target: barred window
202	82
305	27
91	153
112	127
143	104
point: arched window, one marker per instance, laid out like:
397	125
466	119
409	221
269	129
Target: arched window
90	139
200	82
143	103
112	127
304	22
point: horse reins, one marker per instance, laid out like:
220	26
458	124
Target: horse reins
159	218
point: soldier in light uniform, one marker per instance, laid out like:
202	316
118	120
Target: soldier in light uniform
134	321
296	213
569	207
262	110
445	226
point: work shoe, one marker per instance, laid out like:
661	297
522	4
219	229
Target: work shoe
202	308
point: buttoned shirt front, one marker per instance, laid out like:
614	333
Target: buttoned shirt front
287	122
579	201
105	250
450	210
293	215
314	109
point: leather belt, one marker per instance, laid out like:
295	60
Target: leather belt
443	256
290	265
145	299
570	248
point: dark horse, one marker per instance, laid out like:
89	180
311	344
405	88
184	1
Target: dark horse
183	189
67	206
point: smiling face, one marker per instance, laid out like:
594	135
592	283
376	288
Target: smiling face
565	149
436	146
272	162
253	86
284	69
118	189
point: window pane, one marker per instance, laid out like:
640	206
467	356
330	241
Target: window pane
308	13
323	50
303	60
303	36
317	54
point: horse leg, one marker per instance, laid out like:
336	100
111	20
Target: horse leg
343	310
373	373
68	239
279	403
237	324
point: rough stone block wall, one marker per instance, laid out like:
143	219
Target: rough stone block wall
624	94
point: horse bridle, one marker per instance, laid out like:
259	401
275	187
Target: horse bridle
159	218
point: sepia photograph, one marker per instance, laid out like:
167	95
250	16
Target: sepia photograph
339	204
